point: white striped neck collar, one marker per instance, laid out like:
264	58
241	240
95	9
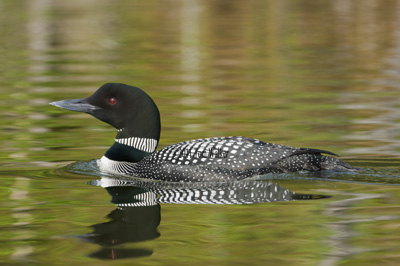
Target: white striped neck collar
143	144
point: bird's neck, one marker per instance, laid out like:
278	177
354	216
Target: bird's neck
130	148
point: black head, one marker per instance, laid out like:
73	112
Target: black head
127	108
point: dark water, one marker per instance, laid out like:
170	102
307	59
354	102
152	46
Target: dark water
320	74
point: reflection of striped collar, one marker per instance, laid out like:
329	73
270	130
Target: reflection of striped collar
143	144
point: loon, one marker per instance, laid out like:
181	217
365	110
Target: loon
137	120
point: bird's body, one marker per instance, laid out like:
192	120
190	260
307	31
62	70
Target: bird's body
137	120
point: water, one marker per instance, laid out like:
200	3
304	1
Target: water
311	74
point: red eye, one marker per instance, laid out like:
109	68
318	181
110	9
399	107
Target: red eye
112	101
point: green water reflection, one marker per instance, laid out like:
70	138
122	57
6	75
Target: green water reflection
320	74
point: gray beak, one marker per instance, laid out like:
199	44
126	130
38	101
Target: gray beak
77	105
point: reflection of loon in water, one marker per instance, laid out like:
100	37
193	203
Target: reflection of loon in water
126	225
138	210
133	193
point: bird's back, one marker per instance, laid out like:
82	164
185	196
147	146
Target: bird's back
230	158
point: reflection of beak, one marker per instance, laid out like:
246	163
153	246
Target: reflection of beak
78	105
